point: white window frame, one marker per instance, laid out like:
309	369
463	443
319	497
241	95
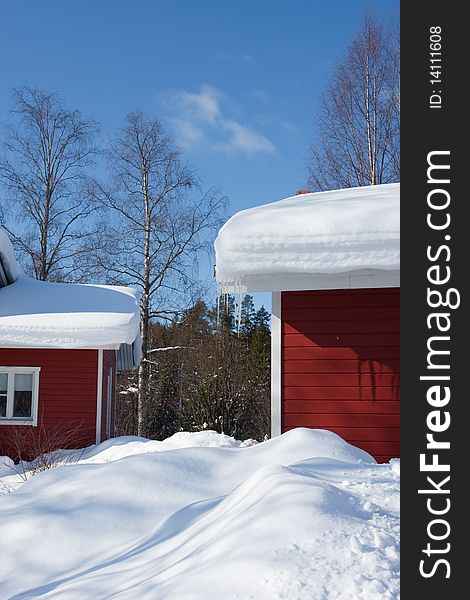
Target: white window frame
12	371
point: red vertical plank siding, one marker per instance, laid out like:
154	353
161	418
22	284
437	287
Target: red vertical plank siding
340	365
67	390
109	362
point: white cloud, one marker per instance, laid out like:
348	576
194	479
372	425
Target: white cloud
238	58
188	134
244	139
261	95
199	120
204	105
247	58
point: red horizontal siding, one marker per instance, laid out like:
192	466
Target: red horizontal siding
67	390
340	365
354	313
341	379
360	407
341	327
340	393
345	419
381	354
343	299
354	340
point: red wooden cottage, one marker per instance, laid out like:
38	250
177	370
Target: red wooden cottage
332	263
60	346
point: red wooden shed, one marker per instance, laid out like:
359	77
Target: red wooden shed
332	263
60	347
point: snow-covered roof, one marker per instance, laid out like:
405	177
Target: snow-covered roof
324	240
7	257
41	314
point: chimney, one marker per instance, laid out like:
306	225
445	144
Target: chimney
301	192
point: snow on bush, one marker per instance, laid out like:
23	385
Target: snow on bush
203	516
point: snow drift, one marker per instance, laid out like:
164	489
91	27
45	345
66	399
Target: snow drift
290	243
305	515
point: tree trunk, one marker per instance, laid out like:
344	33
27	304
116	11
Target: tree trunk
143	381
144	368
43	275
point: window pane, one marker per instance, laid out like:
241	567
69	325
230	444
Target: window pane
3	383
22	401
24	382
3	394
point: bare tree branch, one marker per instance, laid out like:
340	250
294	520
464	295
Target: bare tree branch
358	124
161	219
46	156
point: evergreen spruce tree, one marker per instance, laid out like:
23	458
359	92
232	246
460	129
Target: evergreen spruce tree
247	318
262	318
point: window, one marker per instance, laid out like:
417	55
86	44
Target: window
19	395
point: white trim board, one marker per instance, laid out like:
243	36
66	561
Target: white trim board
362	278
276	365
109	402
99	396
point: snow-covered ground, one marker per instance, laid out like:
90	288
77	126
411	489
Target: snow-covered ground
202	516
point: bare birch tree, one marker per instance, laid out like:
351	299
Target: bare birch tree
46	154
358	125
160	221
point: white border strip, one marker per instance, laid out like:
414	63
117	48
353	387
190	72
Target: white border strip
276	365
363	278
99	396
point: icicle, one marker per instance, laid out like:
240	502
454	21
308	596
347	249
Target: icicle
218	310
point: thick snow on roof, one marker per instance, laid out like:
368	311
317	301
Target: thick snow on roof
7	256
41	314
303	241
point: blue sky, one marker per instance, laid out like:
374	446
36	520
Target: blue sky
236	83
